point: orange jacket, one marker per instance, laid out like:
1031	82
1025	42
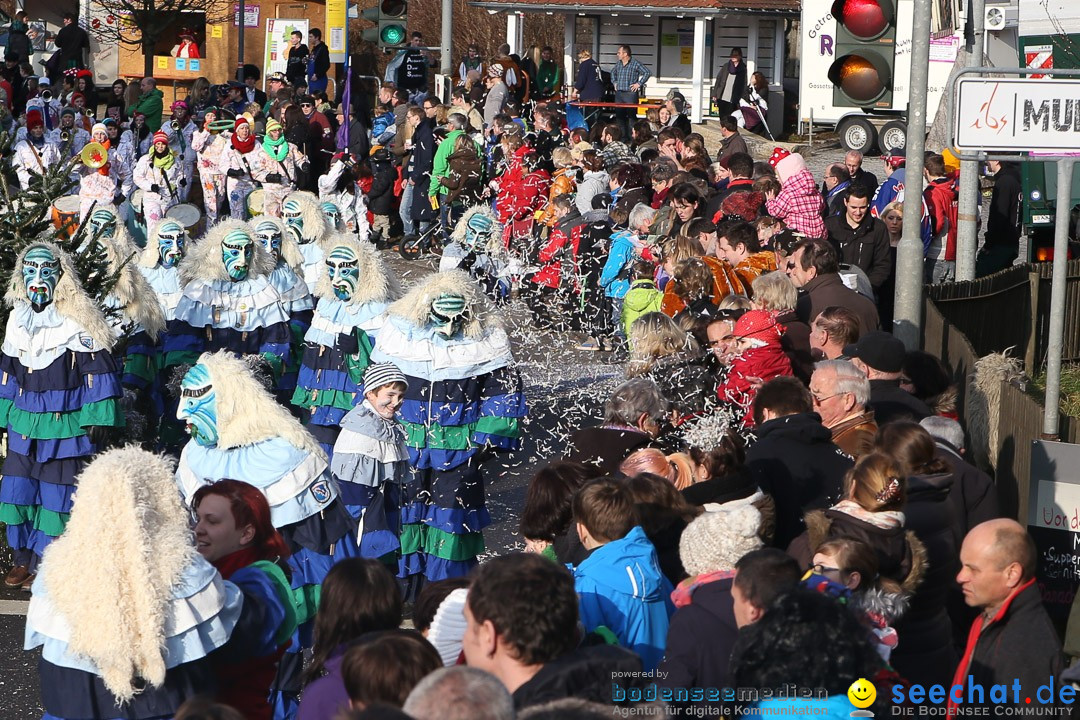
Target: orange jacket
725	282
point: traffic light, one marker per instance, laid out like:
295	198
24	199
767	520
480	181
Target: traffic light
390	18
862	74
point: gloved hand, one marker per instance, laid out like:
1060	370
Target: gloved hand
155	188
273	177
117	199
183	182
99	435
234	173
337	156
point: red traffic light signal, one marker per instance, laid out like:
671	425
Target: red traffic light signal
864	19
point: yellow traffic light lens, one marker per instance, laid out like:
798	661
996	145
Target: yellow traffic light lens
865	19
860	80
393	34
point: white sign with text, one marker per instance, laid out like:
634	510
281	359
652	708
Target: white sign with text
1017	114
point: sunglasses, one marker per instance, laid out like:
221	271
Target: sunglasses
306	105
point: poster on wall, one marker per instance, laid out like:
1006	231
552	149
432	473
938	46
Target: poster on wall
276	55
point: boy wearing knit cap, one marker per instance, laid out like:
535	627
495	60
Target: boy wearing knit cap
620	586
370	461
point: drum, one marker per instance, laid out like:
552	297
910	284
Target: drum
255	200
65	212
189	216
135	220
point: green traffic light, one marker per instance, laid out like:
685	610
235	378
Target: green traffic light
393	34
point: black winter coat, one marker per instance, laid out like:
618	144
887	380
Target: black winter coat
795	461
604	447
890	402
866	246
700	639
423	159
1003	222
380	198
586	672
926	654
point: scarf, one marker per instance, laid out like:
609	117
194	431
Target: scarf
681	596
164	162
244	146
236	560
277	149
886	520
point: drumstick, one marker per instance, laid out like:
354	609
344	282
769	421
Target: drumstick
165	178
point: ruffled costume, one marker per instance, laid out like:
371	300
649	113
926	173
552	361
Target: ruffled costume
303	215
338	344
58	377
172	615
464	395
370	463
246	317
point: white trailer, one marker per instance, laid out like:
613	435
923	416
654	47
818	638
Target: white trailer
866	129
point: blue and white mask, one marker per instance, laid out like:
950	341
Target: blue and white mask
237	251
103	221
198	406
293	215
448	314
333	214
172	242
41	271
343	267
478	230
269	234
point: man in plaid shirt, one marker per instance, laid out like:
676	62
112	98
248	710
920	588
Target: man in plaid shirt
629	77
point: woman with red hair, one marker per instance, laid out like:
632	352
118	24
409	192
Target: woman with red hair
233	531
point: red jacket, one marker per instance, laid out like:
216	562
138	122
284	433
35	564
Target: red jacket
750	369
519	199
941	200
550	275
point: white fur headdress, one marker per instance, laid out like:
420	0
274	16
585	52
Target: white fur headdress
290	250
494	244
69	297
377	283
111	574
246	412
132	291
203	260
316	226
415	306
150	257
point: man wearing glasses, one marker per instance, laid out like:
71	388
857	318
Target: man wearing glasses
840	392
320	137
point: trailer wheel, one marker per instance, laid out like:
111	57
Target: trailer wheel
893	136
857	133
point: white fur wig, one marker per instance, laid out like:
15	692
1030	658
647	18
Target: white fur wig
316	226
134	294
246	412
69	297
203	259
415	306
290	250
494	244
377	282
111	574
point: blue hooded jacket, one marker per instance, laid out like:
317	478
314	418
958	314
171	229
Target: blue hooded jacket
620	586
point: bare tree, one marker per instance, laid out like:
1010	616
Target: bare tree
141	23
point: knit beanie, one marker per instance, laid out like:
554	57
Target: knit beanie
160	137
717	540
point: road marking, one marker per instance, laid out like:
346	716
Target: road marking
14	607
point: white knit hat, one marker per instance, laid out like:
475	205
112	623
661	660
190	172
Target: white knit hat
717	540
384	373
447	631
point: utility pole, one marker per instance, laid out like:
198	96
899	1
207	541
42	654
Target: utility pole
446	66
967	225
242	17
907	321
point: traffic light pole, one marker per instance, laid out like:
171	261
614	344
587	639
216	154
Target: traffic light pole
967	216
907	320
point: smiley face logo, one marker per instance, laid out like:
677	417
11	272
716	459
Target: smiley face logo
862	693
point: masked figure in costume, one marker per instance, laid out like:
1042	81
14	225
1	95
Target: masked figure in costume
341	187
464	400
354	292
59	396
476	246
210	145
240	162
238	431
128	615
281	245
307	222
230	300
276	164
160	175
333	215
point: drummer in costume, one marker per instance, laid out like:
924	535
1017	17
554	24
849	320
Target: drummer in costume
59	397
231	300
181	139
128	615
241	160
34	154
354	291
341	187
238	431
270	233
99	183
464	401
305	219
371	461
159	174
210	144
276	165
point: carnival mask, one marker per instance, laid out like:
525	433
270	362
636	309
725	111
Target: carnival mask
237	251
448	314
478	230
333	214
172	242
292	214
269	234
198	406
41	271
104	222
344	269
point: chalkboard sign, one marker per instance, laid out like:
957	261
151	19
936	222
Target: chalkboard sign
1054	524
